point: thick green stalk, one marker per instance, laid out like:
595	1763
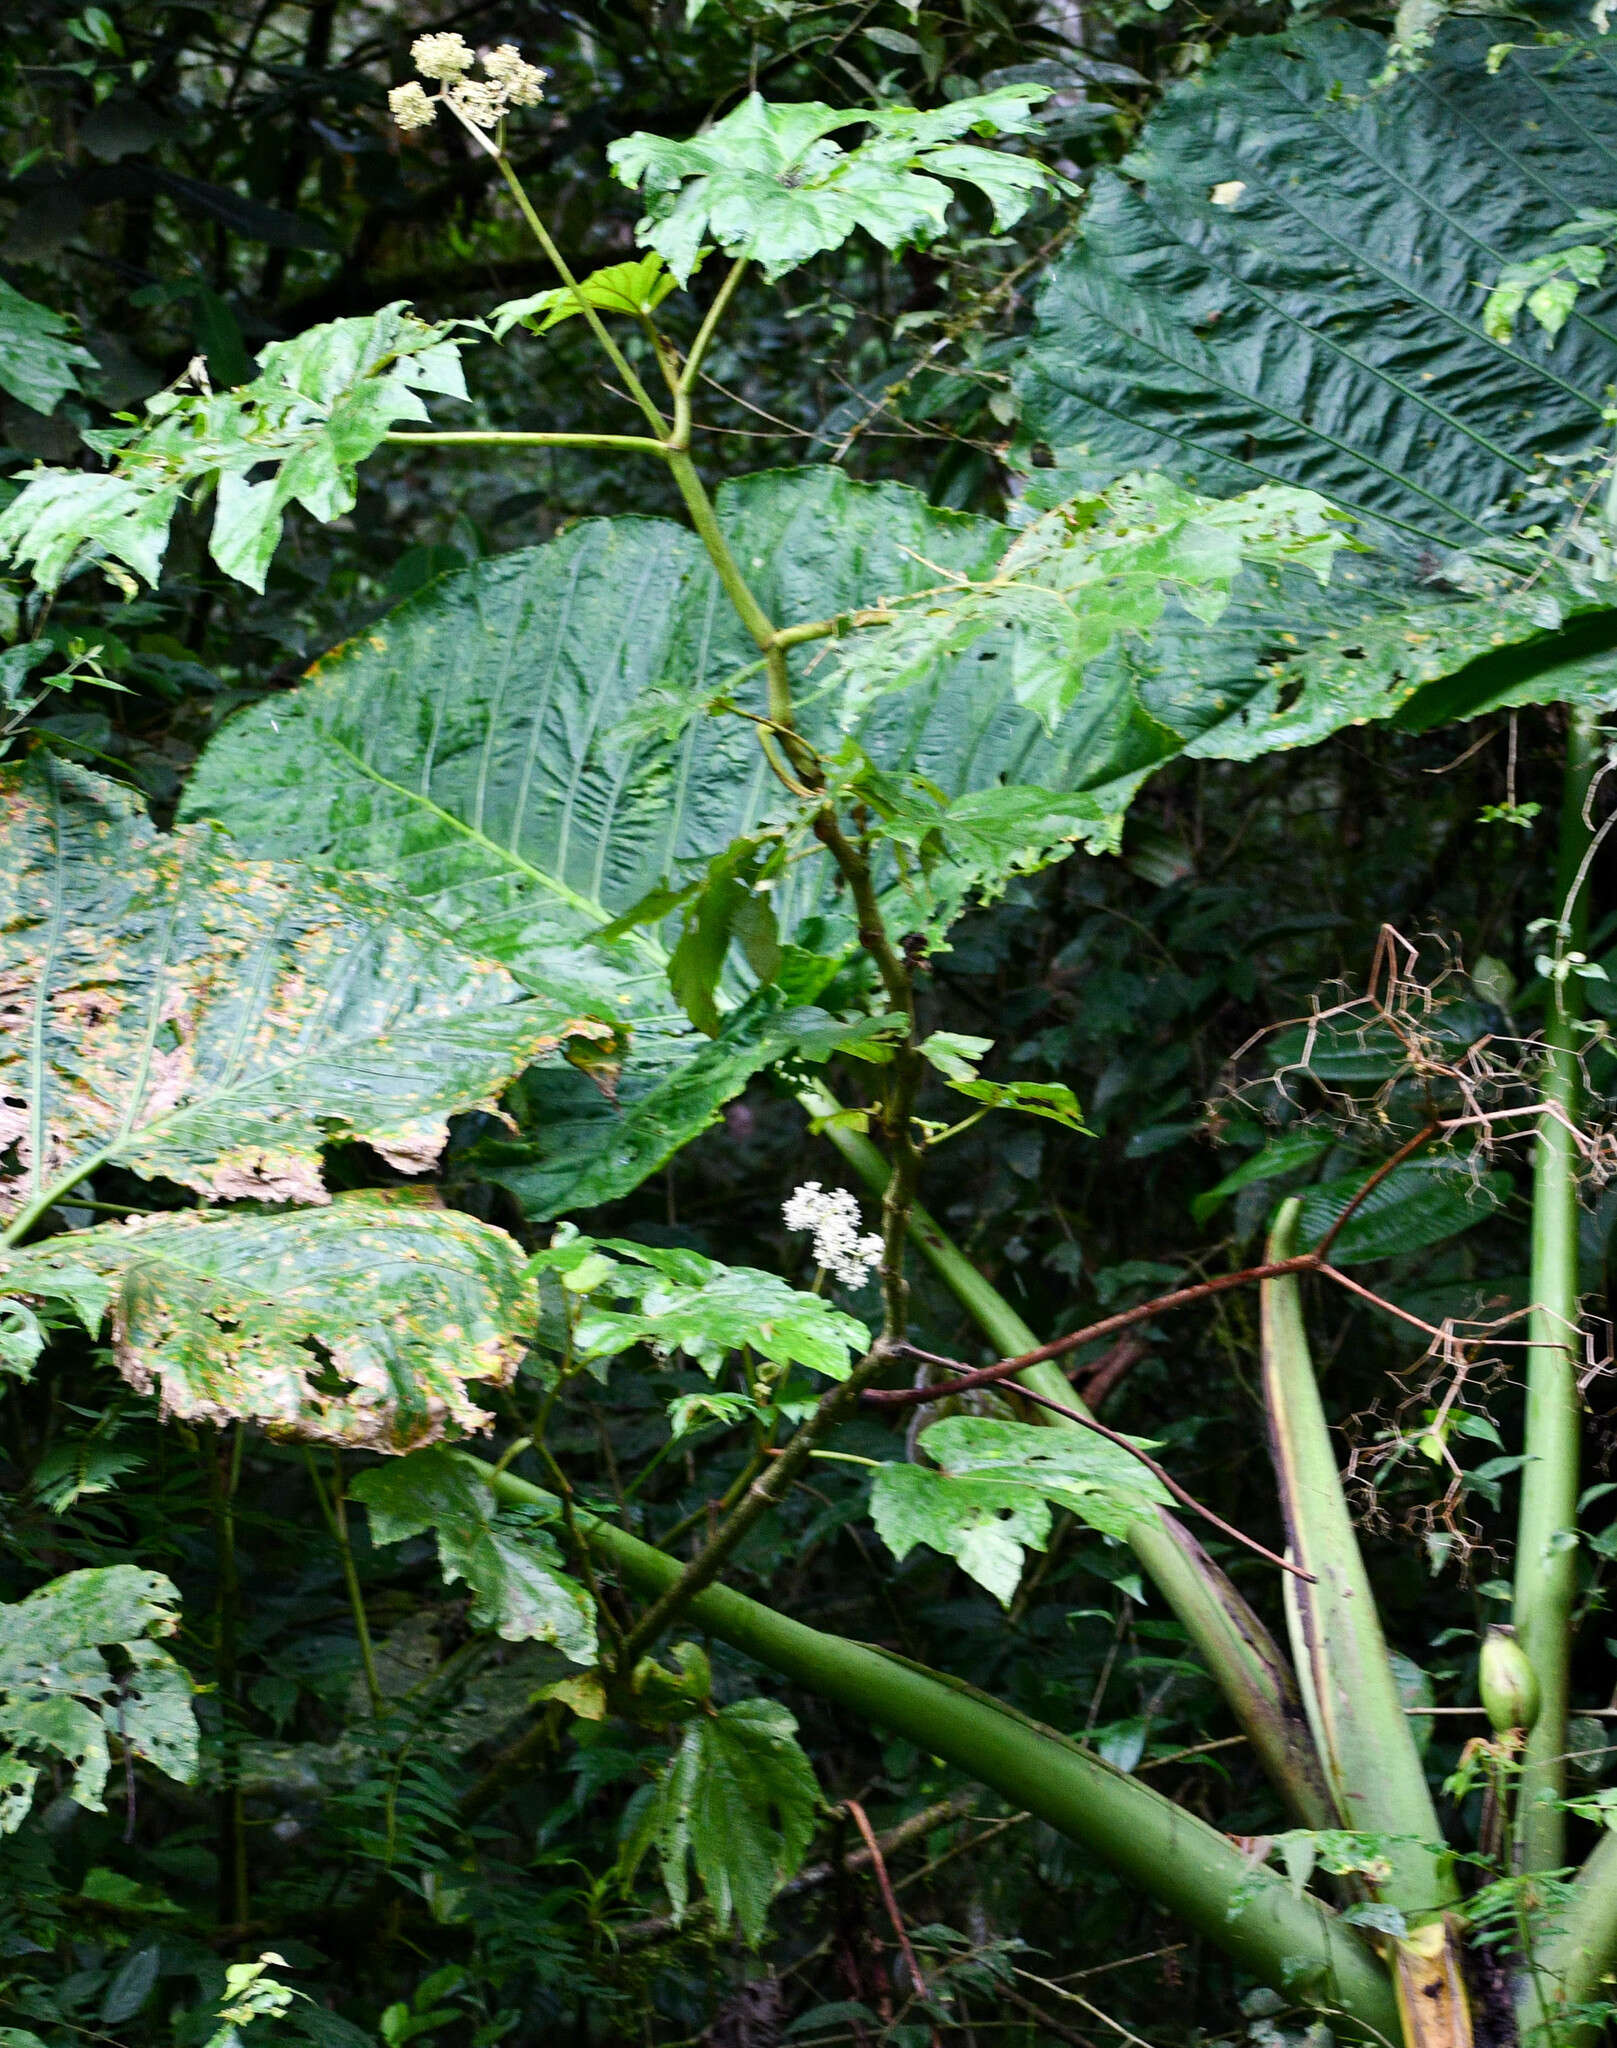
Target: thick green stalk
1573	1963
1297	1944
1360	1729
1243	1657
1546	1555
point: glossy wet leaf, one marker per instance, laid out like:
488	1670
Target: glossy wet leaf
363	1322
173	1008
39	364
320	404
736	1802
768	181
520	1587
60	1698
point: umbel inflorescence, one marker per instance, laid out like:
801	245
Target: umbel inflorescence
833	1216
480	104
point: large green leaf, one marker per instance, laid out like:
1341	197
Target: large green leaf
515	1571
1286	282
737	1799
60	1697
357	1323
173	1008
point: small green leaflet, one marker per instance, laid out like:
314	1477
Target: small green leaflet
725	905
319	406
635	288
685	1302
1548	284
768	181
38	364
955	1056
737	1800
357	1323
1090	572
1288	1153
515	1571
990	1497
59	1697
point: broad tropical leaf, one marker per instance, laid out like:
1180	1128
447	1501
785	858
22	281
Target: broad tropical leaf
60	1697
737	1800
170	1007
514	1569
767	181
38	363
357	1323
1420	1203
1286	282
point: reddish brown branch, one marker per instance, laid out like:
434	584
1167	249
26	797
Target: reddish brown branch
1322	1251
1007	1368
878	1864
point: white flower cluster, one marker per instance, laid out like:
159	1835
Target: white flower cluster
834	1218
480	103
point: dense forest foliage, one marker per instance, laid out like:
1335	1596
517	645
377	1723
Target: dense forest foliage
807	970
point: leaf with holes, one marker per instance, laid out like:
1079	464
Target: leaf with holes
175	1009
515	1572
358	1323
59	1697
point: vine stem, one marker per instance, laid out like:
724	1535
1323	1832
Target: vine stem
334	1508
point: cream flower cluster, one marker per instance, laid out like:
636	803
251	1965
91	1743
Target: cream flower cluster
833	1216
480	103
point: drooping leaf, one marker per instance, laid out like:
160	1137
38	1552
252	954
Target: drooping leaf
60	1697
681	1301
632	288
768	181
38	363
321	403
173	1008
514	1569
736	1801
1286	283
357	1323
1289	1153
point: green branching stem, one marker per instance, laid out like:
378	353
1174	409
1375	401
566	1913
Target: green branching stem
635	444
1546	1552
685	384
597	326
1294	1942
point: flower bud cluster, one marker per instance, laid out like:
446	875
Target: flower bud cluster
833	1216
481	103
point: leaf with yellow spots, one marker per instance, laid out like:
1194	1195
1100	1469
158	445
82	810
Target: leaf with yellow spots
170	1007
359	1323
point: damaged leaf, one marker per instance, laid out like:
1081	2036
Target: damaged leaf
358	1323
172	1008
59	1696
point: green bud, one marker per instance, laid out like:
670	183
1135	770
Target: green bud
1507	1681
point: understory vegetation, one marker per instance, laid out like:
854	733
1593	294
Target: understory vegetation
808	962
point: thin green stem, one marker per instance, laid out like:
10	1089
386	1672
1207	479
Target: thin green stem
706	521
619	361
334	1507
1546	1550
686	381
641	444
